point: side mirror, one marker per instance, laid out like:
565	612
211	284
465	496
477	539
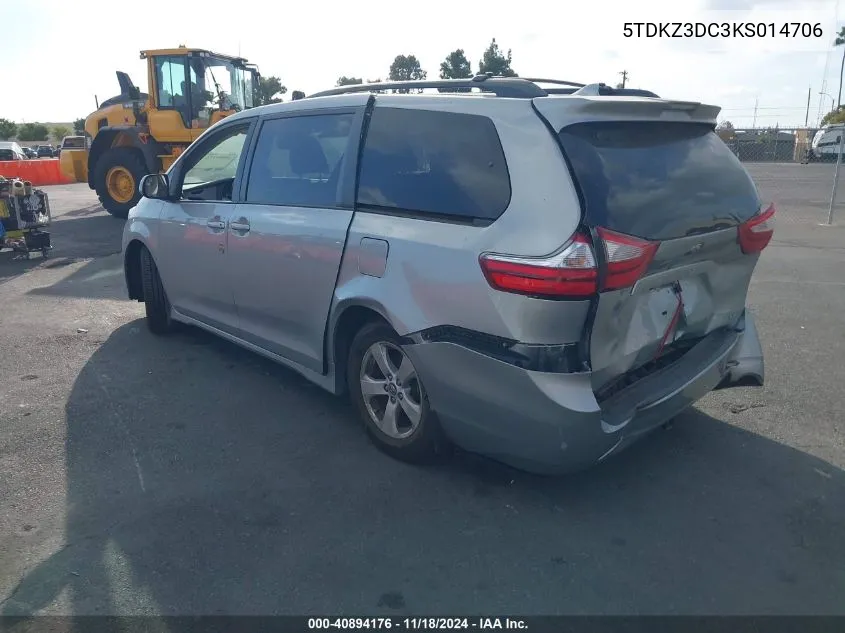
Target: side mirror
155	186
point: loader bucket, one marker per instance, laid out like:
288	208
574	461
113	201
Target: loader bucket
74	164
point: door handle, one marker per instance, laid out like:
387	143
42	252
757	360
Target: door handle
216	224
241	225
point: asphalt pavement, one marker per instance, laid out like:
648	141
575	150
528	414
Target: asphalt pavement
183	475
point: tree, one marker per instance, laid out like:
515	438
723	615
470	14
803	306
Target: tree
349	81
455	66
834	116
33	132
60	131
7	129
268	89
839	41
726	131
493	61
406	68
79	127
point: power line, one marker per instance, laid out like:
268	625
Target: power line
767	108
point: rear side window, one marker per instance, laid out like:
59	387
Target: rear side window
658	180
298	160
440	163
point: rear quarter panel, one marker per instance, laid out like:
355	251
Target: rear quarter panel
433	276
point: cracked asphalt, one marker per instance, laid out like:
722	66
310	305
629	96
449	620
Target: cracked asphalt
142	475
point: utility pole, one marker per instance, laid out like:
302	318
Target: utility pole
754	124
807	116
624	74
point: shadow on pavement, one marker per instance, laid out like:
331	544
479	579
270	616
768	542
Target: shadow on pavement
11	267
101	278
203	480
86	236
72	239
91	209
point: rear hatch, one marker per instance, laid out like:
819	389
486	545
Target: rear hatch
675	222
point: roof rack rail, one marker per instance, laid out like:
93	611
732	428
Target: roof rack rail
556	82
500	86
515	87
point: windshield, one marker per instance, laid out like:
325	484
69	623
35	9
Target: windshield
222	84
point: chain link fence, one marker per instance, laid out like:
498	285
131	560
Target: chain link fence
804	182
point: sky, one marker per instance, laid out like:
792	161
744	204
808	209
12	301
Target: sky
310	44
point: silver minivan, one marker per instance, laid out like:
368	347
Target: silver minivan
538	274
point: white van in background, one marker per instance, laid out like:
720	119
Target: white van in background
826	143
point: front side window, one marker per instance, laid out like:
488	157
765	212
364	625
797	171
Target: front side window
435	163
298	160
211	172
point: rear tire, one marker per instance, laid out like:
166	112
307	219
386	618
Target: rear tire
116	178
413	433
155	299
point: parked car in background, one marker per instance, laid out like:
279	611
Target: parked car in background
10	150
542	278
29	152
45	151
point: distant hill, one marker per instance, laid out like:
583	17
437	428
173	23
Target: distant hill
50	125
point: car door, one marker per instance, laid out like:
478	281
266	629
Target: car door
192	228
286	238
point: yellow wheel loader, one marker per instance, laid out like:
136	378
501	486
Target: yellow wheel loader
135	133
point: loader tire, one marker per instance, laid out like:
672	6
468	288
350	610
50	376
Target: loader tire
116	178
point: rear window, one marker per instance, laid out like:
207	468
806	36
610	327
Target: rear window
74	142
658	180
444	164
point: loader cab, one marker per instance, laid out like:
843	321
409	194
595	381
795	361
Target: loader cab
191	90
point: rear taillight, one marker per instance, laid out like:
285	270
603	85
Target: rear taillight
627	258
755	234
570	273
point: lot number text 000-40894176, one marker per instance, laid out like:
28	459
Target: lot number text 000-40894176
417	623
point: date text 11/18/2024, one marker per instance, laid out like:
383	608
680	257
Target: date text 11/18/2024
417	624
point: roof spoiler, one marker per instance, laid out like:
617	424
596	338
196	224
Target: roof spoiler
592	108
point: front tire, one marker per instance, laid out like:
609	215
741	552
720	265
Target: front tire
155	299
116	178
390	397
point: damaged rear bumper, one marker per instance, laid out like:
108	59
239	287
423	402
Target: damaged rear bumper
551	422
745	367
